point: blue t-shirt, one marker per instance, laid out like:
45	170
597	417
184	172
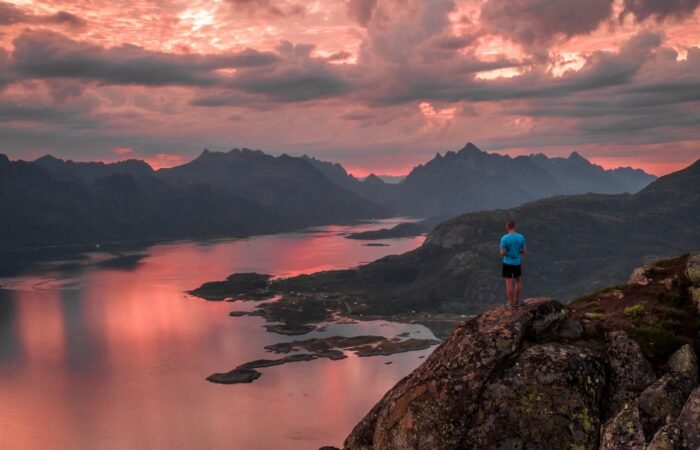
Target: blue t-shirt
512	243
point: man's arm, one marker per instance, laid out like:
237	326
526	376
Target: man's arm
523	248
502	252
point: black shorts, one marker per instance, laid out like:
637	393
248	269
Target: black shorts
511	271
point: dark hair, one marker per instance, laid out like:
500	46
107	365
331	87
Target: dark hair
511	225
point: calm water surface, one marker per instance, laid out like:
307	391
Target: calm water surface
106	352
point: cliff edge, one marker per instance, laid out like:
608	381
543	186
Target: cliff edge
617	369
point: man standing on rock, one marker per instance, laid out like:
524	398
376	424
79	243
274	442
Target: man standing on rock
512	246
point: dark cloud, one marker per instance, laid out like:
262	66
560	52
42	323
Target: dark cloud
289	75
6	77
666	118
14	112
662	93
339	56
63	17
452	43
11	14
602	70
536	23
292	84
36	115
659	9
296	77
361	10
358	116
44	54
633	106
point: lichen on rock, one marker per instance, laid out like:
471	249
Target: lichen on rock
689	421
630	372
624	431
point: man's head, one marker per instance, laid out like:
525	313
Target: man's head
510	226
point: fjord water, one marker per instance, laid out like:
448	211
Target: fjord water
106	351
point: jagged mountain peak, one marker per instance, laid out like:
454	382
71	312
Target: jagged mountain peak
576	156
470	147
373	179
47	158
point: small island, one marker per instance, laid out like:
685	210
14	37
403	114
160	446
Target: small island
330	348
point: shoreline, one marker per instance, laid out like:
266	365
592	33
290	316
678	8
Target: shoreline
145	242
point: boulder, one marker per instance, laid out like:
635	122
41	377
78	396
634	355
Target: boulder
685	361
440	405
695	297
547	394
693	268
661	403
639	276
630	372
545	320
553	322
431	406
668	437
689	420
624	431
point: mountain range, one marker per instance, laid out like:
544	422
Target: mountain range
241	192
40	207
473	180
575	243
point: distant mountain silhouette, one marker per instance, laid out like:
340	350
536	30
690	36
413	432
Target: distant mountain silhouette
90	171
389	179
334	172
40	208
371	188
575	244
242	192
473	180
291	186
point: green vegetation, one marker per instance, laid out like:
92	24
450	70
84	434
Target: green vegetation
659	315
636	312
596	316
656	339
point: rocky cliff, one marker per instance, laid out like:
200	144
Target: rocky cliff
614	370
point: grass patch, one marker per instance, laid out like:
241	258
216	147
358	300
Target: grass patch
597	316
657	342
635	312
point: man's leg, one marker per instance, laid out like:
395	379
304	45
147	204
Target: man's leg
518	286
509	290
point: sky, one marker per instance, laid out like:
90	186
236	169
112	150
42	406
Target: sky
377	85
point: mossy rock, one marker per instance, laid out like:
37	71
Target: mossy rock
693	269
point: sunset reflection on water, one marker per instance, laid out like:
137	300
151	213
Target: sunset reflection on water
100	354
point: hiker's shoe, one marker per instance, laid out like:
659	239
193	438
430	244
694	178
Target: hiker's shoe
519	303
510	305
